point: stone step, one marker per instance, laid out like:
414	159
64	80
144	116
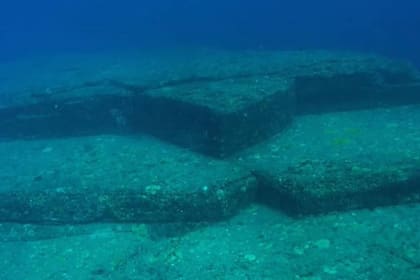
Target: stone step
216	103
341	161
116	179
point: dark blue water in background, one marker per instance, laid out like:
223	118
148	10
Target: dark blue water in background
387	27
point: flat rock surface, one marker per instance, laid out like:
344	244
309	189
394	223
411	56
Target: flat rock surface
342	160
70	76
228	95
257	244
111	178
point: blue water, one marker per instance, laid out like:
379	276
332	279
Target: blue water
388	27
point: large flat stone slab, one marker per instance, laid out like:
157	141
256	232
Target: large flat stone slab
213	102
341	161
116	179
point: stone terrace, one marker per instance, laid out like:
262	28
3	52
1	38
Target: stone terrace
212	102
306	132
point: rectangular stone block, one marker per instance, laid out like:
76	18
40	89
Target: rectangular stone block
217	118
116	179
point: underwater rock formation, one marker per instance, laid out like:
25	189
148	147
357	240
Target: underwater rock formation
216	103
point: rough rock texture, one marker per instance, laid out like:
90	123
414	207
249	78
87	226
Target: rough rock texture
213	102
341	161
259	243
116	179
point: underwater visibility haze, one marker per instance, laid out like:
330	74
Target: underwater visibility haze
210	139
388	26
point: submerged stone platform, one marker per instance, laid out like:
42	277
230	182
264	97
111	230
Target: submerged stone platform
116	179
341	161
212	102
308	132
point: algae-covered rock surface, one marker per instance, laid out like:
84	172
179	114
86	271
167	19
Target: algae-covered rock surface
115	179
209	164
341	161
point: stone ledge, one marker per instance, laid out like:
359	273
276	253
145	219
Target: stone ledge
116	179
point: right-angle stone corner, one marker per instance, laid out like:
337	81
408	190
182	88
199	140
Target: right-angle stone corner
341	161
